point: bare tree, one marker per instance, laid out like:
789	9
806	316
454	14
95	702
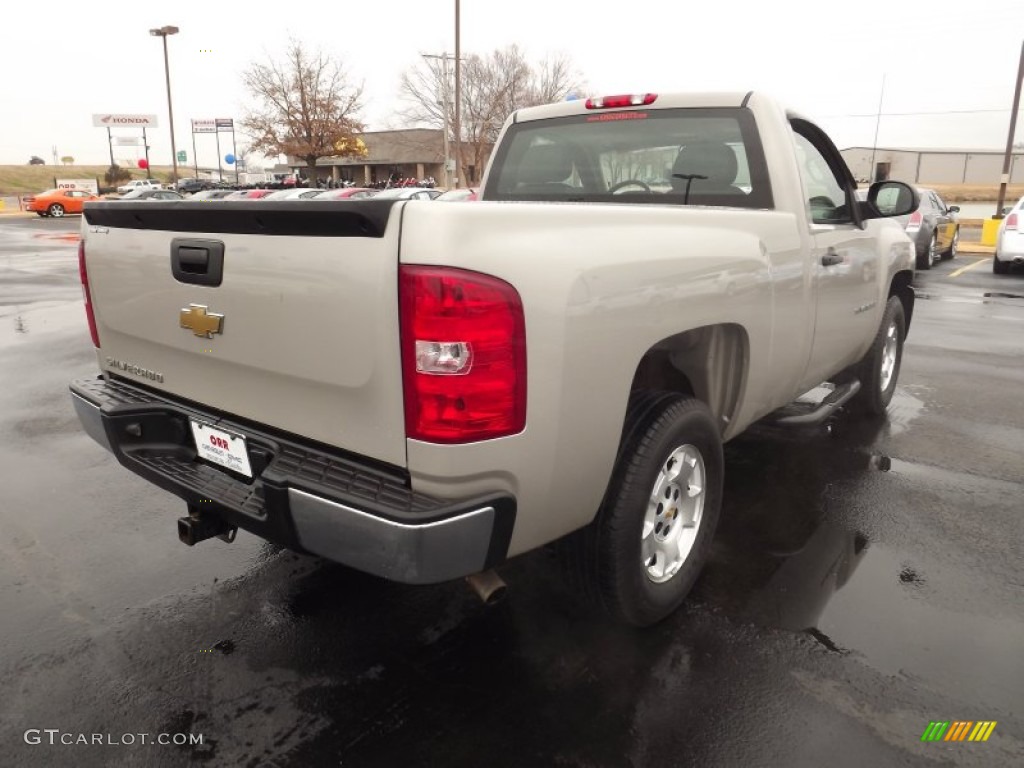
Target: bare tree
493	86
305	107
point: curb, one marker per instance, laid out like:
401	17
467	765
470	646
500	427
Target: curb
975	250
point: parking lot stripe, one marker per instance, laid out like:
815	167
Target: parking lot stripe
969	266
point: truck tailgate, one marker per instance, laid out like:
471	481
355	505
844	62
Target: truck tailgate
307	337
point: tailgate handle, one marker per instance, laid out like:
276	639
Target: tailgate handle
199	262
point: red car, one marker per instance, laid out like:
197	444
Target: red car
57	202
248	194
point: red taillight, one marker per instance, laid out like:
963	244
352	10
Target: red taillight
915	220
626	100
86	295
1011	221
463	355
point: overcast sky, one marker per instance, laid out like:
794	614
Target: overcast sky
956	61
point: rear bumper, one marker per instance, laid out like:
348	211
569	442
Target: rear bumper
302	495
1010	256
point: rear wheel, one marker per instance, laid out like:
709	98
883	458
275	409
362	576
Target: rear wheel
925	260
56	210
643	553
1000	267
880	367
951	252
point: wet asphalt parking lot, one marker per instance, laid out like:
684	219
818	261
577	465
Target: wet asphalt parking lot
864	582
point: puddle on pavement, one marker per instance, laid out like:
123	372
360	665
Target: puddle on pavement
904	408
855	597
1001	296
794	552
884	612
985	298
67	237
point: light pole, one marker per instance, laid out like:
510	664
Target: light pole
444	110
1005	178
458	100
164	32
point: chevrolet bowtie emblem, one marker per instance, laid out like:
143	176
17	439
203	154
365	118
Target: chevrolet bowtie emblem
201	322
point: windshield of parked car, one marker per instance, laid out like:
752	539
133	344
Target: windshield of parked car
670	156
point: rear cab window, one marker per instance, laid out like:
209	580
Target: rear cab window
664	156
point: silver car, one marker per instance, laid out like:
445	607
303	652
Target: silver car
1010	240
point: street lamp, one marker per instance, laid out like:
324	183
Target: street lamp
164	32
458	100
444	57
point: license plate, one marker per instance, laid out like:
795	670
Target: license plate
222	448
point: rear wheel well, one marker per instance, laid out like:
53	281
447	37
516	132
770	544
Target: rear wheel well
708	363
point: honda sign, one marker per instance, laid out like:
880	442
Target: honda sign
109	120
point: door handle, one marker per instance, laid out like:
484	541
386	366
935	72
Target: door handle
831	258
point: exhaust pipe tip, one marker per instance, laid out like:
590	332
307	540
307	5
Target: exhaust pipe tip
488	586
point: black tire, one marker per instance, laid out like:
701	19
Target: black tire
950	253
1000	267
924	260
664	431
56	210
877	388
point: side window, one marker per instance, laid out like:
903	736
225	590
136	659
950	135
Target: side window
939	204
826	194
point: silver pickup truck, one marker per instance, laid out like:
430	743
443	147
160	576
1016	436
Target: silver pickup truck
422	391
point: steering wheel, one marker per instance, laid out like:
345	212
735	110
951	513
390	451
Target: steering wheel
628	182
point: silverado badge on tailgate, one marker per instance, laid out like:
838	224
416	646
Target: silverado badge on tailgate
201	322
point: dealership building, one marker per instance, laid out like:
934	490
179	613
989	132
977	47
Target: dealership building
416	153
933	166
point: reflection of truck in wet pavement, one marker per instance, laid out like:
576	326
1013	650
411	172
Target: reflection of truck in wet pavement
422	391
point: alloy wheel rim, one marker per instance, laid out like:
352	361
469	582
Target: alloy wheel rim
889	356
675	510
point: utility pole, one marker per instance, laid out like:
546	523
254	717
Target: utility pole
444	109
878	120
1005	178
458	100
163	32
145	146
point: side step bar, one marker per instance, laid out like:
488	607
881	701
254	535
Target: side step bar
837	398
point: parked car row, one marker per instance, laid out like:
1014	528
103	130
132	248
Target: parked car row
346	193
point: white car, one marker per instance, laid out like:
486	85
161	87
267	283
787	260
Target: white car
407	193
139	184
293	194
1010	241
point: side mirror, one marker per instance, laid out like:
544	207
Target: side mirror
954	209
892	198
